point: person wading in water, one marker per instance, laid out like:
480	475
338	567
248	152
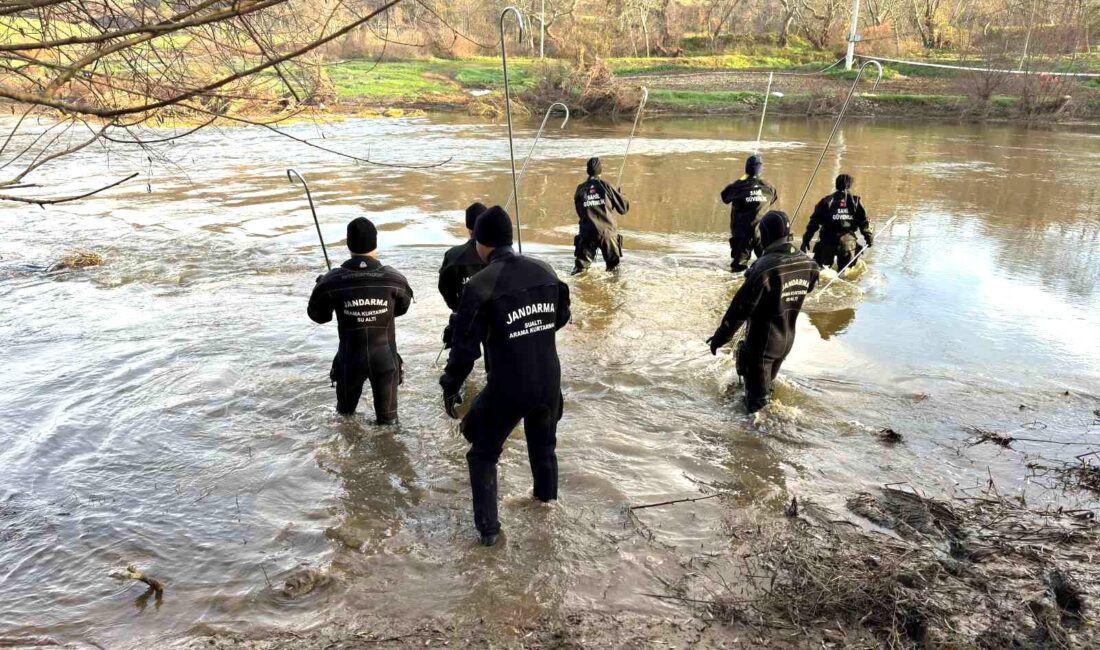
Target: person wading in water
838	216
770	301
460	263
596	202
366	296
514	308
748	197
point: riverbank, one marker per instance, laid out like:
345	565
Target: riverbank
895	569
714	85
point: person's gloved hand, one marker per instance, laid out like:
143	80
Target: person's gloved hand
451	402
448	334
870	239
319	278
714	345
805	248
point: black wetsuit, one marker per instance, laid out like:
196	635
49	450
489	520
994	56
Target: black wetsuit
514	307
596	202
770	300
749	198
366	296
460	263
838	216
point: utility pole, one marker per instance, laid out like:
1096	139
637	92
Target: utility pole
852	36
542	30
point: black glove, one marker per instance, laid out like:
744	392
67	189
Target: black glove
869	238
714	345
319	278
805	245
448	335
451	402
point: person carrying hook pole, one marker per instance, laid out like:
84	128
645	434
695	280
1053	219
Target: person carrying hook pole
769	301
366	296
514	308
596	202
838	216
749	197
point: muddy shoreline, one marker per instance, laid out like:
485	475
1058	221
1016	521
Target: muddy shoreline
895	569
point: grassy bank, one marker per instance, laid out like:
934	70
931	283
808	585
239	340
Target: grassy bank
688	102
682	86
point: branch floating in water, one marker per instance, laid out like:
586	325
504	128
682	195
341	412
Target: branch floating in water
674	501
131	572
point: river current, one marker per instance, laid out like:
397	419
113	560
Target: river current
170	408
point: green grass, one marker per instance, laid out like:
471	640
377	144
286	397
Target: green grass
774	61
702	100
931	101
398	80
408	80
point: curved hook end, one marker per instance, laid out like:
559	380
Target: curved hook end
564	108
878	67
519	20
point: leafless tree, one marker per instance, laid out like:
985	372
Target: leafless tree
100	70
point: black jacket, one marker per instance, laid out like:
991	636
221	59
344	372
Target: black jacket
592	200
837	215
366	296
513	307
775	287
460	263
749	197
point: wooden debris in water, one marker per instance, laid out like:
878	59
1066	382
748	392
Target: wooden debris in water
979	436
1083	474
675	501
303	582
889	436
980	571
131	572
76	259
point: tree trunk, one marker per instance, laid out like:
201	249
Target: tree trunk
645	31
785	28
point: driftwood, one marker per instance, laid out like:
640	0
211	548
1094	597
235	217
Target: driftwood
674	501
133	573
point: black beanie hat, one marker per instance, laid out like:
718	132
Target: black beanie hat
362	236
753	165
844	182
594	166
494	228
472	213
774	226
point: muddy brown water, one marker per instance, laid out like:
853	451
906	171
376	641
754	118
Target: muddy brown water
170	408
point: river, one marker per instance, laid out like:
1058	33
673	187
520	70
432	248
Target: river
171	408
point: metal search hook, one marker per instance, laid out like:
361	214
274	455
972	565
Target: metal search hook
637	117
534	144
290	174
836	125
885	229
508	112
763	113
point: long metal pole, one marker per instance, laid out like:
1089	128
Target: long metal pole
760	131
534	144
290	174
854	258
508	113
637	116
836	125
